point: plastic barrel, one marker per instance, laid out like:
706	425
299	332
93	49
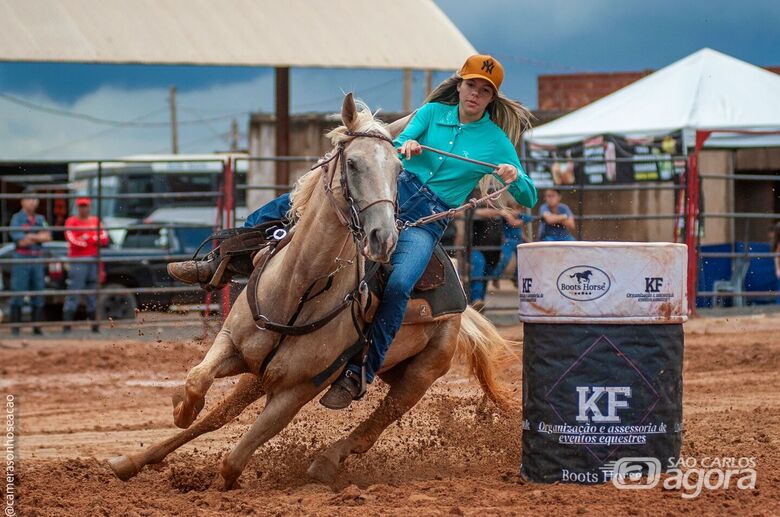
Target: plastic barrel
602	357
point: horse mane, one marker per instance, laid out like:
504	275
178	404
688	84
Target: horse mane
306	185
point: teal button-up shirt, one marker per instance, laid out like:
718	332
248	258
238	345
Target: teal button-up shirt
437	125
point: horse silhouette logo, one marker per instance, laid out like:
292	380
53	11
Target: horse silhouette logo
583	277
583	283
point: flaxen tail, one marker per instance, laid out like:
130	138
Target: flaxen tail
485	350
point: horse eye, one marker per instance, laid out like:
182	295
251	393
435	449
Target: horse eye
351	164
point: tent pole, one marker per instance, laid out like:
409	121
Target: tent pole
692	223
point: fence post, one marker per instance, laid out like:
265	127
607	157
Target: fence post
692	221
229	223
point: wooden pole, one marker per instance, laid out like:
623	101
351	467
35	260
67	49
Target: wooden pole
174	125
282	75
428	82
407	90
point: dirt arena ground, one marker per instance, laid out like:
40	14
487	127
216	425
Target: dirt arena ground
82	401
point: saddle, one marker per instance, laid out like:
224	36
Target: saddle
437	294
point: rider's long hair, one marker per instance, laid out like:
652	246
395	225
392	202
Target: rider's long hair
511	116
508	114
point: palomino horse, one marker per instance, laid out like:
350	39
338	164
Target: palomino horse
320	245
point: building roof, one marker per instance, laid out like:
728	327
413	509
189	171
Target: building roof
705	90
296	33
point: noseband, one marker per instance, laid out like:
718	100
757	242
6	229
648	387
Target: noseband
350	218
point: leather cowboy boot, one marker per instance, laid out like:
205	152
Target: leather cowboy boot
343	391
193	271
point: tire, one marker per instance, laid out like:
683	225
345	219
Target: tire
117	306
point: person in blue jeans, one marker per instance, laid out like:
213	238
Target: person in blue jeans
490	264
29	234
465	115
557	219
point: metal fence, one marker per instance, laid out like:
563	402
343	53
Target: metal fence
133	273
588	202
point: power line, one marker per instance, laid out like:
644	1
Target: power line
93	135
99	120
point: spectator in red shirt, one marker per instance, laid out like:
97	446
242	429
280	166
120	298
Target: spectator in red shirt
83	241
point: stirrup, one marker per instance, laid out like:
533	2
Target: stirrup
362	379
216	278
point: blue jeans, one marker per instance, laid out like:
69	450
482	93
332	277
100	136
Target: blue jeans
81	276
274	210
409	260
27	277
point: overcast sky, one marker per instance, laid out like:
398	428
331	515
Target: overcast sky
530	37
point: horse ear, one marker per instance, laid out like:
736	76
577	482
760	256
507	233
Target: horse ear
349	112
395	128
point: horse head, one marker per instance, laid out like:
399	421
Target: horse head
371	167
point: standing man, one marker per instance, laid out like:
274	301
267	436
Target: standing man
29	239
557	221
83	241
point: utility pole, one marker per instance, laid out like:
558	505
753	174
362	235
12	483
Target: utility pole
174	126
234	135
407	90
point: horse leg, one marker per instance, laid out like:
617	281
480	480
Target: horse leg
248	390
279	410
222	360
408	381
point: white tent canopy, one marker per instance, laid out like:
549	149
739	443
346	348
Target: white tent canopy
290	33
706	90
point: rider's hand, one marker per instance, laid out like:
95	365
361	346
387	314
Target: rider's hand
410	148
506	172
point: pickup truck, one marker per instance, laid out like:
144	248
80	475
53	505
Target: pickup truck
138	262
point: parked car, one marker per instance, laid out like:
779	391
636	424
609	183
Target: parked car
139	262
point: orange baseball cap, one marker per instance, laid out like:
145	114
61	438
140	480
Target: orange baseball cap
483	66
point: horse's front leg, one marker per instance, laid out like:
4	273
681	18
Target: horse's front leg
222	360
279	410
248	390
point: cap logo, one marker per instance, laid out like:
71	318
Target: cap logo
487	65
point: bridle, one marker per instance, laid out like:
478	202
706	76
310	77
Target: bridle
351	218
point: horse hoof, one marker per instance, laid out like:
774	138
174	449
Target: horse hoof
123	467
322	469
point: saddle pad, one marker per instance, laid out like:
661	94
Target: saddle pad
436	298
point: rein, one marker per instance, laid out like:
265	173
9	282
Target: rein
452	212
